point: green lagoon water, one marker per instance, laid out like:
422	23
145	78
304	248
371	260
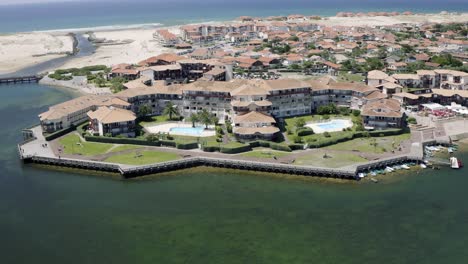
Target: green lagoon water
218	216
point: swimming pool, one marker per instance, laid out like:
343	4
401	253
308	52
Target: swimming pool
331	126
187	131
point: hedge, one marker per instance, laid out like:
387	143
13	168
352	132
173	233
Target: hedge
59	133
130	141
187	145
237	148
272	145
168	143
388	132
296	146
281	147
81	129
305	131
208	148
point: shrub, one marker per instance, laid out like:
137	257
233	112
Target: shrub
297	139
210	147
130	141
187	145
411	120
356	112
152	137
296	146
233	148
168	143
329	109
59	133
281	147
228	126
326	134
306	131
299	122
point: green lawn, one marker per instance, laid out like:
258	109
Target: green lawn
384	144
72	144
347	77
265	153
143	158
154	120
333	160
125	147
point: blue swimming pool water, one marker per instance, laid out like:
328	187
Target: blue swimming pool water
334	124
189	131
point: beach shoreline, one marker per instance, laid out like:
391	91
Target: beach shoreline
22	50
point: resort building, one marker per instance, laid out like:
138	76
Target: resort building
382	114
255	125
74	112
166	38
440	78
252	105
125	71
112	121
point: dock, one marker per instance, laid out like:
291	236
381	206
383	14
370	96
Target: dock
20	79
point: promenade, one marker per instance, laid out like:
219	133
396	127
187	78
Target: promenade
38	150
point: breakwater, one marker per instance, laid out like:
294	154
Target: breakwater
136	171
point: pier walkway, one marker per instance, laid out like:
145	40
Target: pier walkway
20	79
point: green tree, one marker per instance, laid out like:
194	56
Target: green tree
171	110
194	118
100	81
206	117
299	123
144	110
152	137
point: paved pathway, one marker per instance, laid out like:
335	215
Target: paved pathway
37	147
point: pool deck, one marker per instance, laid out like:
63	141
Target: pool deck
315	126
166	128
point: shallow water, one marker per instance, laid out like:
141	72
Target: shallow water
218	216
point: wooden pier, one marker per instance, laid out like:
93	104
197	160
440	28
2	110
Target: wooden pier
20	79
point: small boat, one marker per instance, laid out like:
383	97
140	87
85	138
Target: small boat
389	169
373	173
361	175
397	167
406	167
423	165
374	180
454	164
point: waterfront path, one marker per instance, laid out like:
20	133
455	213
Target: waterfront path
37	147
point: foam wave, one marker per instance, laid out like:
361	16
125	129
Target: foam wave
103	28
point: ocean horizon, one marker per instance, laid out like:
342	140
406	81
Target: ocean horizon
140	13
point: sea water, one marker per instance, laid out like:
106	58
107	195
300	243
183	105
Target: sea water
107	14
218	216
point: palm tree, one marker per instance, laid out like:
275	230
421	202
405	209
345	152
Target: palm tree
194	118
171	110
206	117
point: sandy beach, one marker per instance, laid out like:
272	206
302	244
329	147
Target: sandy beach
393	20
21	50
26	49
